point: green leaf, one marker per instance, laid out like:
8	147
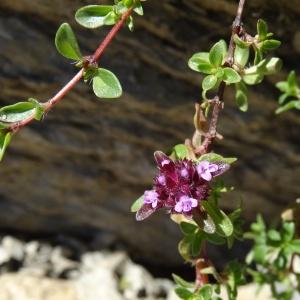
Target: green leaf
39	109
209	82
120	8
215	239
258	56
196	244
206	68
240	43
259	226
295	246
5	138
231	76
214	157
188	228
283	86
221	220
129	23
93	16
66	42
137	204
283	98
180	151
206	292
274	235
270	45
106	84
260	253
139	8
262	29
219	73
127	3
17	112
184	248
199	62
290	105
183	293
241	56
288	231
183	283
253	79
265	67
272	66
218	53
292	82
241	97
111	19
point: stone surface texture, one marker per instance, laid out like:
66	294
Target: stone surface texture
79	170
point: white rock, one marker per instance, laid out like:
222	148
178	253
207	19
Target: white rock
13	247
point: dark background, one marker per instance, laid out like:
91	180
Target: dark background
79	170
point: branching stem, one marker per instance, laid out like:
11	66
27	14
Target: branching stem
218	104
72	83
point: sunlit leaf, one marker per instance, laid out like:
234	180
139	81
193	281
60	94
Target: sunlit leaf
93	16
66	42
106	84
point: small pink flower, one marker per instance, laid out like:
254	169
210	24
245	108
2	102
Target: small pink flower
180	185
151	197
205	170
185	204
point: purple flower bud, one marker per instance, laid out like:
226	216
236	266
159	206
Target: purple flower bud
161	179
161	159
184	173
185	204
151	197
205	170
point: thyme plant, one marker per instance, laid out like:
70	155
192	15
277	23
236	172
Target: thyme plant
104	82
290	94
187	185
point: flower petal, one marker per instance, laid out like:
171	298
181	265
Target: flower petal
178	207
213	168
194	202
206	176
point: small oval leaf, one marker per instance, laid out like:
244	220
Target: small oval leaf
66	42
231	76
218	53
17	112
209	82
137	204
241	55
93	16
106	84
262	29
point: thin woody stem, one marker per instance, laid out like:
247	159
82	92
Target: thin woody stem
217	103
72	83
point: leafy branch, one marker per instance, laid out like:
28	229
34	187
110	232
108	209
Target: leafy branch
290	97
224	67
105	83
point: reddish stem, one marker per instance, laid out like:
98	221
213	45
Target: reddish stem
212	132
71	84
201	279
217	103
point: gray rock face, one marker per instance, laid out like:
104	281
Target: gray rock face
80	169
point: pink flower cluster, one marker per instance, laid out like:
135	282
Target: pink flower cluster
179	185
